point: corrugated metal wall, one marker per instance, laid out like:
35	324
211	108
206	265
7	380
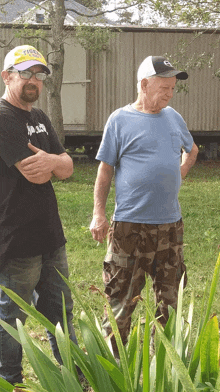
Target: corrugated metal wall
113	75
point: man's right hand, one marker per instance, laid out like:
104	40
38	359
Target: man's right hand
99	228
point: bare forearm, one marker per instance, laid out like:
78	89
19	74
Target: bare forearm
99	225
188	160
101	191
41	166
41	178
63	166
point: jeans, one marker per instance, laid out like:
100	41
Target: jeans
26	276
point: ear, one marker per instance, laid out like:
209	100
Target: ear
144	83
5	76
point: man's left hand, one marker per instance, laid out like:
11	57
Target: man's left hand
39	163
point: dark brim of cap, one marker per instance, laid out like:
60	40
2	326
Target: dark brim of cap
169	74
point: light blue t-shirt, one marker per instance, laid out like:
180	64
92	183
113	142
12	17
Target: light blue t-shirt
145	150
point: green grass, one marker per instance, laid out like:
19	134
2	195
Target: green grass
200	202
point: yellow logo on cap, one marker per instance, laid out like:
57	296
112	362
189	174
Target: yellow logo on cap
27	54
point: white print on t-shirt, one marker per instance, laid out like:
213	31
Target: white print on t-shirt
37	129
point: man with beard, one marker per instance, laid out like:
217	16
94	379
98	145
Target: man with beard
32	242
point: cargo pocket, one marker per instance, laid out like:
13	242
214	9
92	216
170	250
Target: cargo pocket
122	259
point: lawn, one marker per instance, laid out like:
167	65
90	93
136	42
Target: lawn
200	203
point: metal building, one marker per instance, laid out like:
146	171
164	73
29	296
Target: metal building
94	85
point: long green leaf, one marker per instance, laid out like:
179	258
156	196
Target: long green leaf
114	372
5	386
153	374
63	342
135	354
121	349
196	354
213	288
178	343
217	385
138	358
30	310
47	373
12	331
102	379
101	341
188	329
132	348
64	348
146	354
161	354
89	314
178	329
35	387
82	360
70	381
174	357
68	358
209	351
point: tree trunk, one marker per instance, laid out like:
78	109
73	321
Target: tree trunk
56	60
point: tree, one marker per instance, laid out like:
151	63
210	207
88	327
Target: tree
94	36
93	4
56	13
199	13
196	13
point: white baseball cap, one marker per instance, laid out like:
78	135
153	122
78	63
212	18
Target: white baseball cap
158	66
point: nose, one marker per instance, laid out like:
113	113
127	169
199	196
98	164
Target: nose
31	78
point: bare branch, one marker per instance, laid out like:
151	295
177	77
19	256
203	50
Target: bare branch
6	3
2	45
36	3
34	37
103	12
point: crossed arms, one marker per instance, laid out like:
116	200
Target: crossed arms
40	167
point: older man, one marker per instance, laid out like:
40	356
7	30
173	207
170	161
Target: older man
32	242
142	144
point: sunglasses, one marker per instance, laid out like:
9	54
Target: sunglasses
28	74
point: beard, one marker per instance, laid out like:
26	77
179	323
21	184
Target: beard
30	93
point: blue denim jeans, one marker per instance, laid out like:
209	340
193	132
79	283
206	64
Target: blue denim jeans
25	276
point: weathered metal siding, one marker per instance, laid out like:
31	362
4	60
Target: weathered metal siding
111	74
113	77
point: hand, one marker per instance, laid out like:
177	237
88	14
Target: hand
99	228
39	164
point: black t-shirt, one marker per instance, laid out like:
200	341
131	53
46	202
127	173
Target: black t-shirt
29	218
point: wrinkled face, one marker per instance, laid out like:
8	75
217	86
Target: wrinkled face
159	92
24	90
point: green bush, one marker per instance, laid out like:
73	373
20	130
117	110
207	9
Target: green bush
178	364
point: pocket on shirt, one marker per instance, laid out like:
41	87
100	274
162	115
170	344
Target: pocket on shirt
176	143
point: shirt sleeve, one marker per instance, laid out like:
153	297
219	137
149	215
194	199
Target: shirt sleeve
186	137
108	150
13	142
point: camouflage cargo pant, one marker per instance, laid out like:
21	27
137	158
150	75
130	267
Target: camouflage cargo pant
136	249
